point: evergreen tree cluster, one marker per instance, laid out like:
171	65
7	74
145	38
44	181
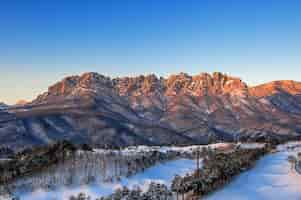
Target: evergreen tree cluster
155	191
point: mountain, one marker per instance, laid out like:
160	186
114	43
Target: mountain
3	106
21	102
179	109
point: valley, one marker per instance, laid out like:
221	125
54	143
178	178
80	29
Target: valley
100	172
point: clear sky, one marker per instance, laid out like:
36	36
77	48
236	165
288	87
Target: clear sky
43	41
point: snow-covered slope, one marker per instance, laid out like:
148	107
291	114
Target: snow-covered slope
272	178
161	173
109	169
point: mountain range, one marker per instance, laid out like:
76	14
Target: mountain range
180	109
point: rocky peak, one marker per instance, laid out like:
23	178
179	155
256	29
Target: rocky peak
268	89
93	80
198	85
138	85
64	87
76	86
176	84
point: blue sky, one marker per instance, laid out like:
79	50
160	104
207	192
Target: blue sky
43	41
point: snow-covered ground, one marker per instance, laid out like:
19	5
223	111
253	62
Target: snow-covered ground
161	173
251	145
132	150
272	178
103	166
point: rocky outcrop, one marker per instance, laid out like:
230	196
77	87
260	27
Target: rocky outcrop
179	109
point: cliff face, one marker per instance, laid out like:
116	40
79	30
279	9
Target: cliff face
180	109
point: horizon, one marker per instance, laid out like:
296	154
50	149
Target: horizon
43	42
